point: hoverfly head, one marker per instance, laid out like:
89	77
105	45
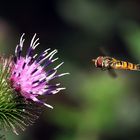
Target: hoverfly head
98	61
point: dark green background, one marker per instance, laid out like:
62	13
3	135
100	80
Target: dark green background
94	106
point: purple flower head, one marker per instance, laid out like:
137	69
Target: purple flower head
28	75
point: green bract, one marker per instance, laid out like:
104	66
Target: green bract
15	112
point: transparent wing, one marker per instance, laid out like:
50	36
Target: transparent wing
112	73
104	51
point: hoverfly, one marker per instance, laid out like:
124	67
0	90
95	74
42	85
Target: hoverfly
109	63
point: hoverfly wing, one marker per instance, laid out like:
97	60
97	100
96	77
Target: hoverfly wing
104	51
112	73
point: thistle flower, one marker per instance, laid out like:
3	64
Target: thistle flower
22	81
29	77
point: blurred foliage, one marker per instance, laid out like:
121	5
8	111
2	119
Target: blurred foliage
130	32
92	16
94	106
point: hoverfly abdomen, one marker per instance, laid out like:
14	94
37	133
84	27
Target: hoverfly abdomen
125	65
137	67
129	66
121	65
132	66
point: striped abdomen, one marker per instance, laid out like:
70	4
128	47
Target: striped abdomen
125	65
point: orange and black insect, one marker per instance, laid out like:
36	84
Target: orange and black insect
109	63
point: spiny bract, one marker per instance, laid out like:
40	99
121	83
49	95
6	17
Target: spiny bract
16	113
